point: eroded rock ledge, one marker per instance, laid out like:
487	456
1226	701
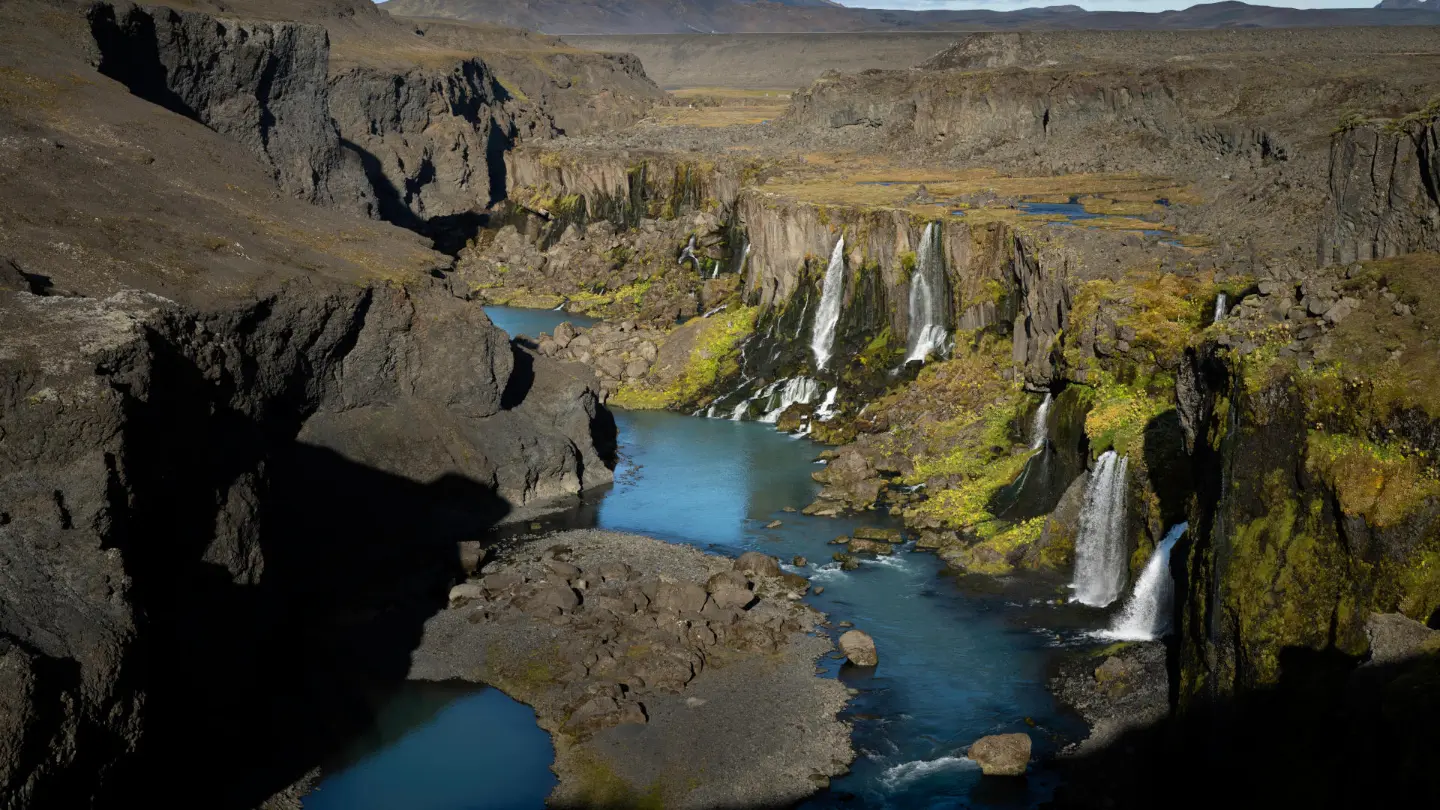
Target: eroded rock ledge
644	659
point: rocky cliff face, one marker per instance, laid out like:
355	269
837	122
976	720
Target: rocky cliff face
240	435
159	441
261	84
431	140
1383	187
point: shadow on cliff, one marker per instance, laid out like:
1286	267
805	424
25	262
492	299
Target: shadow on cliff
284	589
1328	734
451	232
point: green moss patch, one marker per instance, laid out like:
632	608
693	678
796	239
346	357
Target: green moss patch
713	358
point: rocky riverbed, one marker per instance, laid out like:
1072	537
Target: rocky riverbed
643	659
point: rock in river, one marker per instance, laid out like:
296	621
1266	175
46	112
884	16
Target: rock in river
859	648
1000	754
762	565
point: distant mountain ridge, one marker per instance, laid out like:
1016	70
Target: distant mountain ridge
801	16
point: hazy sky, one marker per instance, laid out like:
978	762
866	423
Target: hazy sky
1092	5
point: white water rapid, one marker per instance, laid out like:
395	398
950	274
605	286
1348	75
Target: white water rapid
927	299
777	397
1040	428
1221	307
1100	545
827	317
1146	616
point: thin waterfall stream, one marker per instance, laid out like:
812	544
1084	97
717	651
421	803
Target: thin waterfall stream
929	304
827	316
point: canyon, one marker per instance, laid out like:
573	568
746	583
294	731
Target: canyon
1133	325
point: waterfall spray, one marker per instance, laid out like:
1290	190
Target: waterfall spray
1100	544
1146	616
1221	307
1040	428
827	317
927	299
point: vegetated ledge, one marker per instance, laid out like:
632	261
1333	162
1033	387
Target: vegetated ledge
655	693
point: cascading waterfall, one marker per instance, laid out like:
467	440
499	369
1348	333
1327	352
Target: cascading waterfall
827	317
777	396
1221	307
927	299
1040	428
689	254
826	411
1146	616
1100	544
739	265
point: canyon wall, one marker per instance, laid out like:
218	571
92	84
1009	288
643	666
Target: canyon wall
242	436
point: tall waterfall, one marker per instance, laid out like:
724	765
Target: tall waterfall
1146	616
1100	545
1040	428
826	411
927	298
827	317
1221	307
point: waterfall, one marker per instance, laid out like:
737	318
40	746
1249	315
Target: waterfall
827	317
778	397
739	265
1146	616
689	253
1221	307
927	299
1040	428
1100	544
826	411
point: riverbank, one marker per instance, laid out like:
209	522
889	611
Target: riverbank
639	674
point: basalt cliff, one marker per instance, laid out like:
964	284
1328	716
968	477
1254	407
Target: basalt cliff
248	437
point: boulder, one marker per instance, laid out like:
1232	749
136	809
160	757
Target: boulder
878	533
613	571
472	555
858	546
563	570
729	596
557	596
467	590
727	579
1001	754
1395	638
859	649
679	597
494	583
757	564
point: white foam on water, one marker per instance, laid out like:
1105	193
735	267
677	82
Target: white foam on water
1146	616
888	561
900	776
828	572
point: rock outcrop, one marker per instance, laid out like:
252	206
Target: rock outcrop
1383	186
242	437
1002	754
260	84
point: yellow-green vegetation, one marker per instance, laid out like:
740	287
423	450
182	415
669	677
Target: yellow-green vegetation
1377	361
1118	416
956	425
713	357
597	303
881	352
598	785
993	555
1285	581
522	676
1382	483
